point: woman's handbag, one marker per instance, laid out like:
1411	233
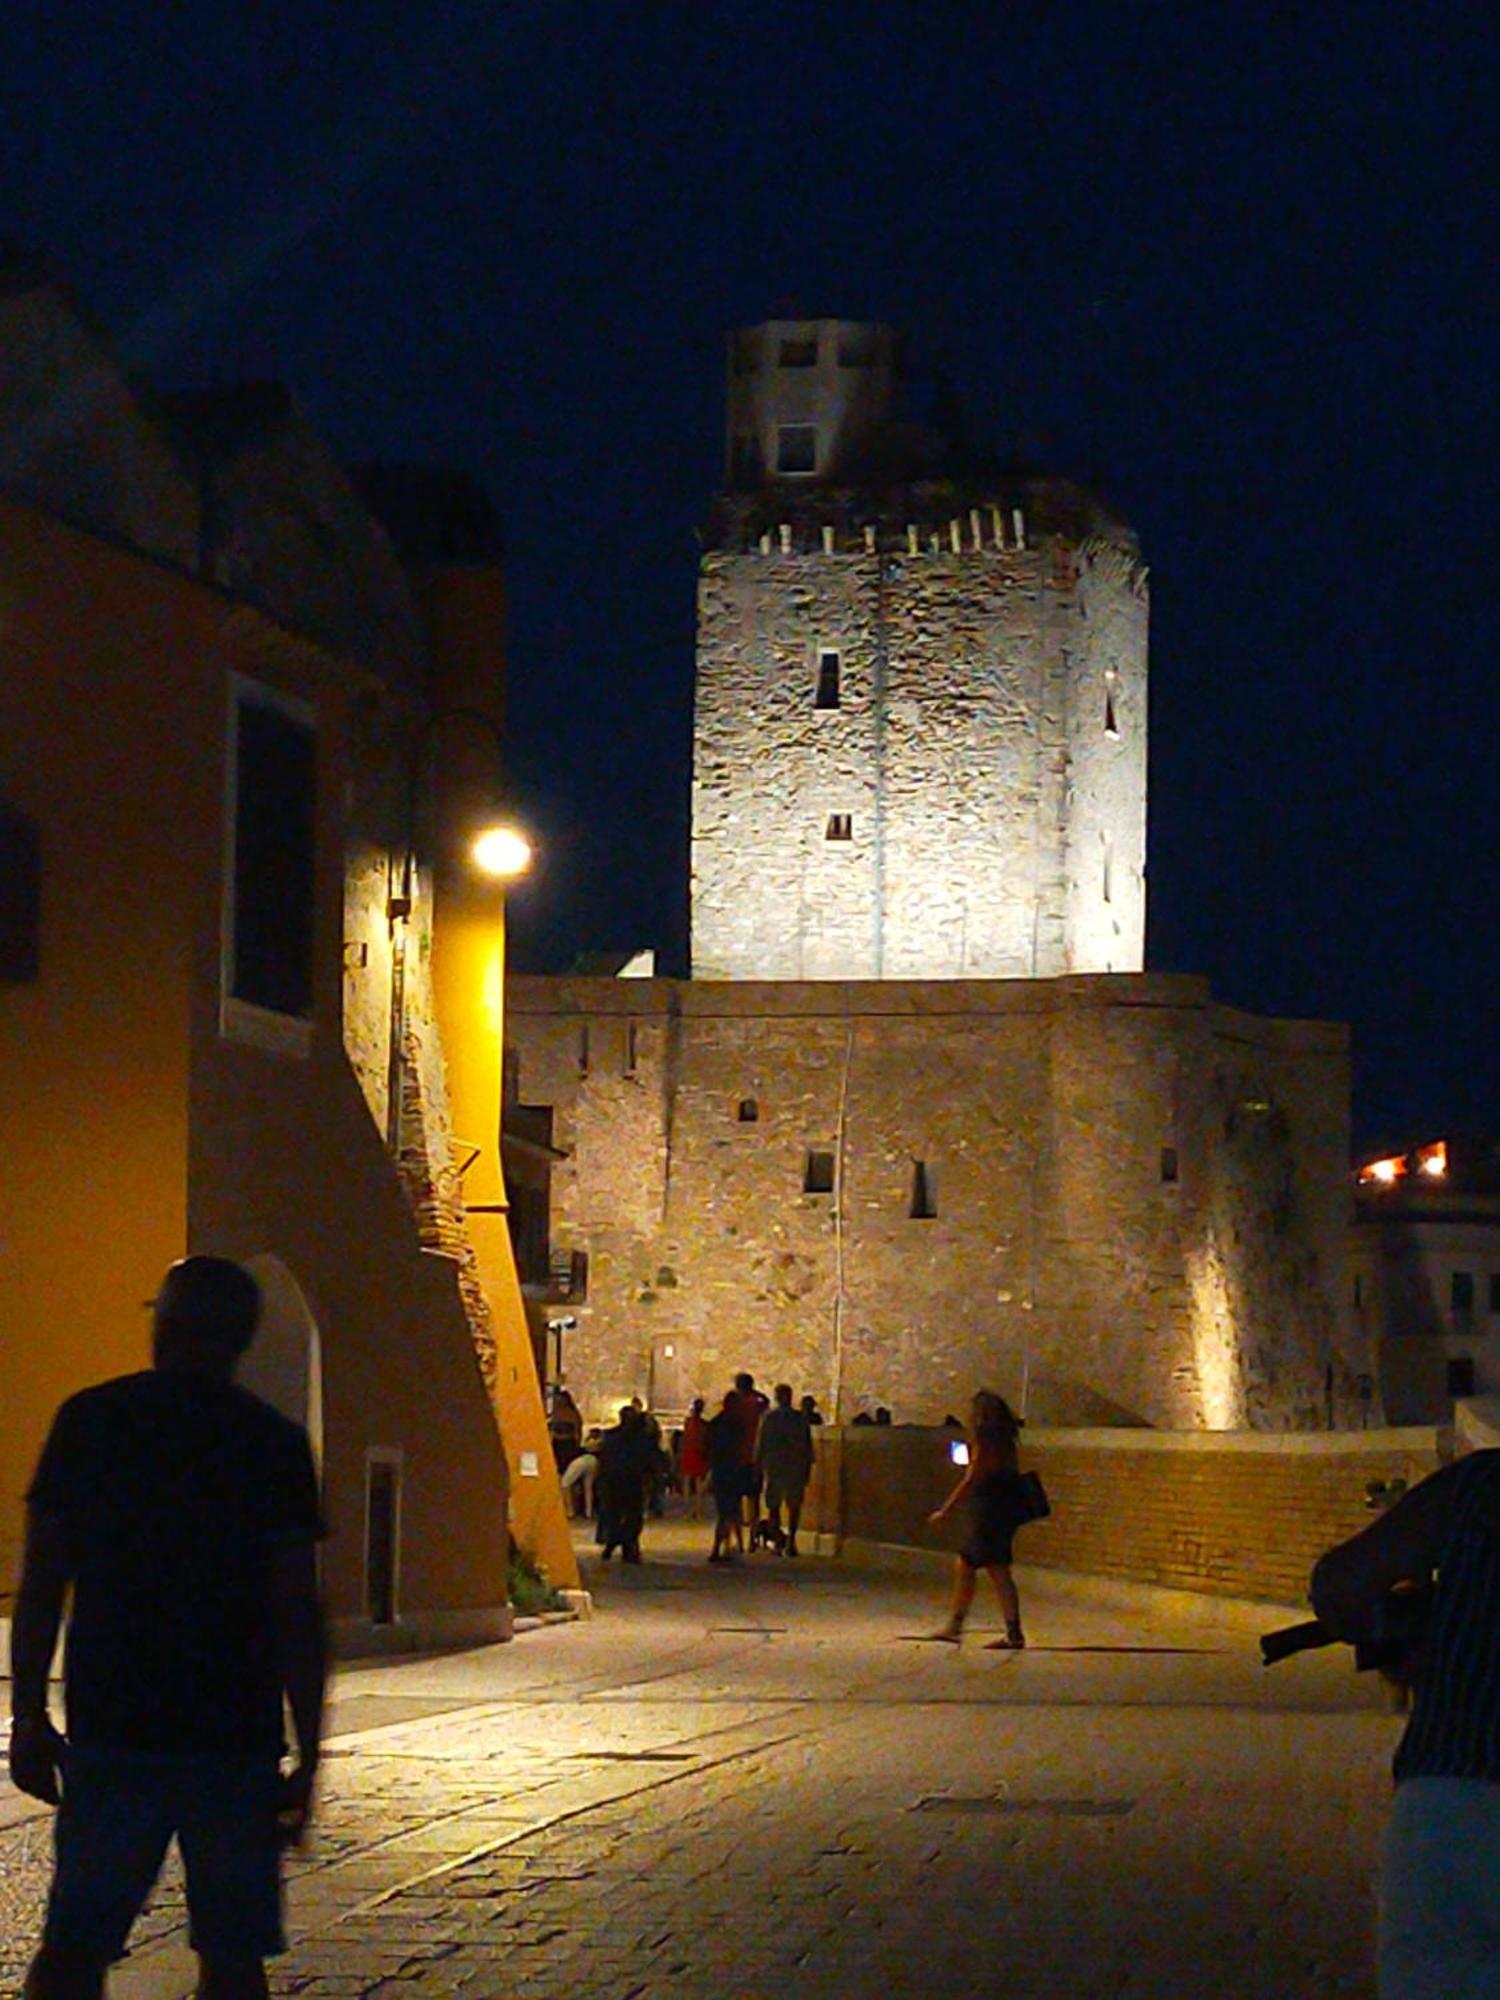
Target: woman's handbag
1032	1503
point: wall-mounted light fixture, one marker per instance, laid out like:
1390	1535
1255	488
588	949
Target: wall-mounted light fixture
498	849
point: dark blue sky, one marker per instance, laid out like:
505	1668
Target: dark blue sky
1236	262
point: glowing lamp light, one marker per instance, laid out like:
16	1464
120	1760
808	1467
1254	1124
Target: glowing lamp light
1432	1161
502	852
1384	1173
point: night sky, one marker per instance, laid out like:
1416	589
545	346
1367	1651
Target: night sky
1237	264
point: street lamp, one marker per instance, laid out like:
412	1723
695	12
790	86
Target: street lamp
499	850
502	852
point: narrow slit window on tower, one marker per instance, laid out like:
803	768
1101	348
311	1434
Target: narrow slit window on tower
797	448
583	1051
817	1173
1168	1165
828	679
1107	880
631	1050
800	351
1111	726
923	1192
840	826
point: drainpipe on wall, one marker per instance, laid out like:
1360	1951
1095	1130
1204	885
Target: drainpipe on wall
840	1129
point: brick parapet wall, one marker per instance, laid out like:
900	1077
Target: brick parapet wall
1233	1515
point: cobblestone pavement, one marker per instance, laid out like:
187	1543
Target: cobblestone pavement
755	1781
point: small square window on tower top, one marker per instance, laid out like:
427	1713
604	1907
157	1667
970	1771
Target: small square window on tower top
797	448
829	691
799	351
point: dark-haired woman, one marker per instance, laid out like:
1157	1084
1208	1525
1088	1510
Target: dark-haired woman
991	1489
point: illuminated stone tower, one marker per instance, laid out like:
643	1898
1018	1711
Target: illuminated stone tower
920	727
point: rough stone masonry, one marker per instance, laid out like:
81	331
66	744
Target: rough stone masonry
920	1121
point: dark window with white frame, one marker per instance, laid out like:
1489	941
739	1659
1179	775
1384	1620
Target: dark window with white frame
797	448
272	872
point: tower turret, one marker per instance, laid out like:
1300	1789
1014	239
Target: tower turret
920	721
804	397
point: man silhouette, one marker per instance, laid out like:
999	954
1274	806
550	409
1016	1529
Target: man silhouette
183	1512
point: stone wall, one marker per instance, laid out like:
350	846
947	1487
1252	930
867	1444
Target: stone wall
1239	1516
1132	1195
988	749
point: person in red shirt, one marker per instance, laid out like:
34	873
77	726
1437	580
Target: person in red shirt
692	1459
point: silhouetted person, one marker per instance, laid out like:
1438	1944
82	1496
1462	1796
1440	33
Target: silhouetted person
184	1513
992	1489
565	1425
726	1477
784	1452
810	1410
1439	1921
749	1405
627	1458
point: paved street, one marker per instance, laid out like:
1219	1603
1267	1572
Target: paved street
757	1780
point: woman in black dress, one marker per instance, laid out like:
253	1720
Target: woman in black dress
992	1488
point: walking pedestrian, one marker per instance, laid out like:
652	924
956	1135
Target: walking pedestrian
726	1475
1439	1921
182	1513
749	1406
991	1488
692	1461
626	1460
784	1453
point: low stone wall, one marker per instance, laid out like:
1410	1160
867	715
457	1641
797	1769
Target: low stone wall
1237	1514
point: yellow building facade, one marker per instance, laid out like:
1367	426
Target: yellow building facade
206	804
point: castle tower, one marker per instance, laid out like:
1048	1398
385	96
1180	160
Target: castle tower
920	718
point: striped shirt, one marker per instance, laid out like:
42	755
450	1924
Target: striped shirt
1454	1731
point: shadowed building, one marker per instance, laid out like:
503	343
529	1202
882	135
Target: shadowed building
1425	1275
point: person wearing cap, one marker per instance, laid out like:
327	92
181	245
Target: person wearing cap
183	1513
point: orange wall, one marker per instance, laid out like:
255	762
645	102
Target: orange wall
107	745
123	1094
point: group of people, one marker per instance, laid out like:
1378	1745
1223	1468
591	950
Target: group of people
753	1458
755	1455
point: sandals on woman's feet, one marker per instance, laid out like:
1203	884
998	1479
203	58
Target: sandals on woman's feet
1013	1642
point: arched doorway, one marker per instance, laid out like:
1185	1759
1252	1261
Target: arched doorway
285	1362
